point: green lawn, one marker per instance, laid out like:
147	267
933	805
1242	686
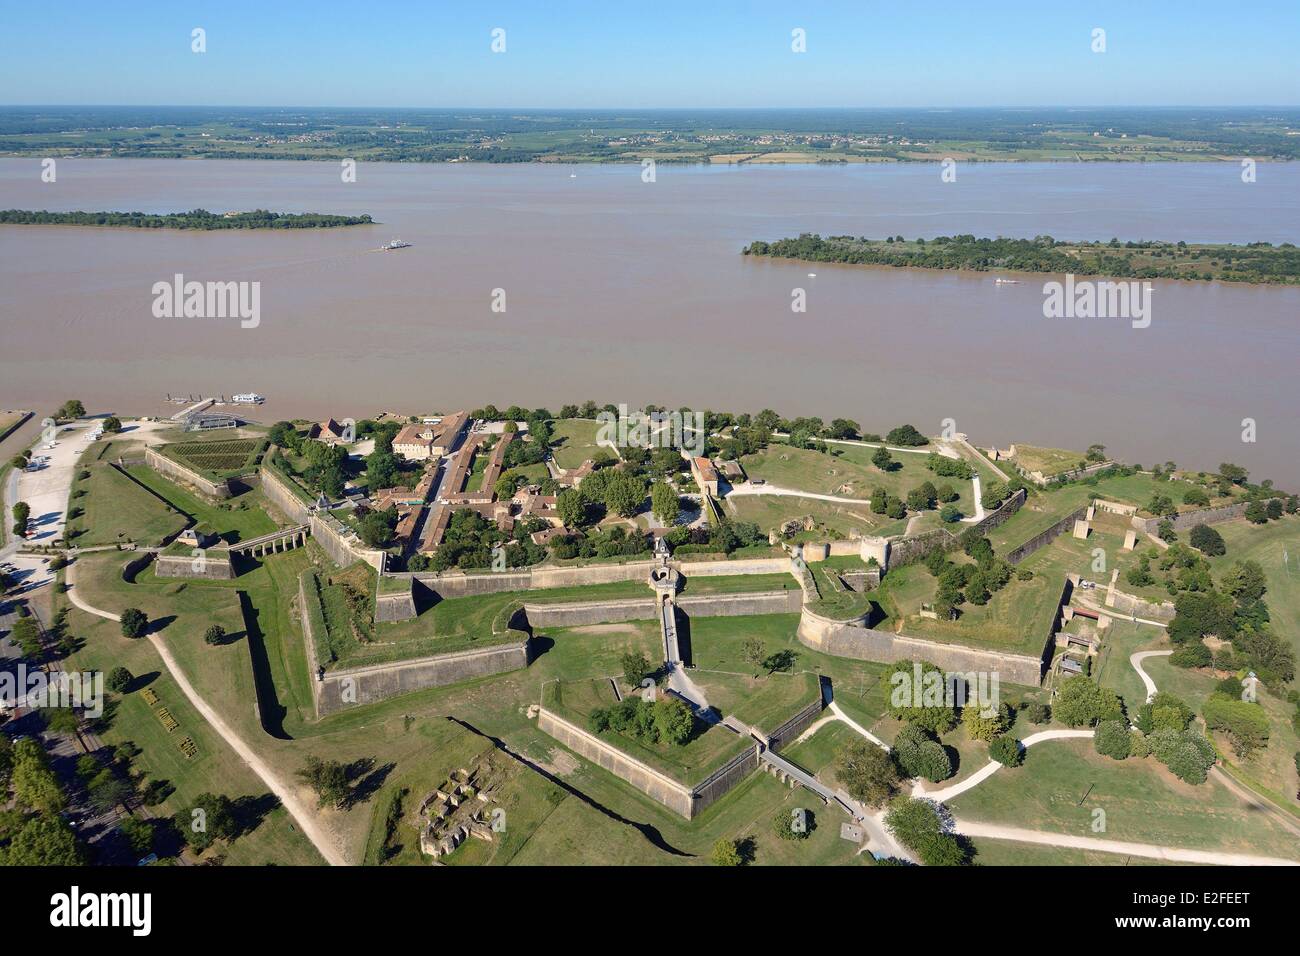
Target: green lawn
1015	619
709	747
215	767
772	511
117	509
1062	782
573	441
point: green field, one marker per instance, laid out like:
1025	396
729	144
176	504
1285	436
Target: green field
222	458
573	441
118	509
1047	461
1016	618
1063	781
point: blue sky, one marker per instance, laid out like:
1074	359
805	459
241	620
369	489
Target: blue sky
656	54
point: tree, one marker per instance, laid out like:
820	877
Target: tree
624	494
755	652
882	459
1006	750
1245	723
134	622
919	754
329	780
1113	739
34	784
1081	703
1187	753
907	436
1192	655
636	668
725	853
22	512
1163	712
43	841
376	528
572	508
867	772
1038	713
664	503
673	720
381	469
119	679
985	726
214	635
139	834
1207	541
930	705
71	409
210	818
916	824
112	424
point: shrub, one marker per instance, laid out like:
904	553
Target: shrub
916	824
215	634
1113	740
1207	541
980	726
1038	713
1006	750
1187	754
1245	723
119	679
1192	655
1081	703
793	824
725	853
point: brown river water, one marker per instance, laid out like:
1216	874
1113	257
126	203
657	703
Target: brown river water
622	290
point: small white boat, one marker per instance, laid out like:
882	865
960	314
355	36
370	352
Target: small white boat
396	244
1001	281
812	275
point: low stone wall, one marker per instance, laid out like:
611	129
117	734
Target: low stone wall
278	492
865	644
395	605
450	584
658	786
792	728
1114	507
215	566
1043	538
1190	519
343	547
312	618
341	689
186	476
583	613
1000	514
713	787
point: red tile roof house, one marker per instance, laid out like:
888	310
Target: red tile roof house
422	442
705	475
329	431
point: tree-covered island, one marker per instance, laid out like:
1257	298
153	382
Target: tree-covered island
194	219
1258	262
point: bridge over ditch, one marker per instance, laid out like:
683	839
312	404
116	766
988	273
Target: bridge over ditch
276	541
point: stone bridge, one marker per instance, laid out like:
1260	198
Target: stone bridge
276	541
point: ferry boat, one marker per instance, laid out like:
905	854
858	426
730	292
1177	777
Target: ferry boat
247	398
396	244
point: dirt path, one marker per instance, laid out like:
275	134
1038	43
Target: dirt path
303	815
1148	851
